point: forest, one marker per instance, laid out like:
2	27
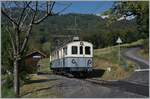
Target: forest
92	28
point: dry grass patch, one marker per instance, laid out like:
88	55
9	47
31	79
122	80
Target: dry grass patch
107	58
144	54
40	87
117	72
45	66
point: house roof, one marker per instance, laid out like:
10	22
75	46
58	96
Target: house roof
36	51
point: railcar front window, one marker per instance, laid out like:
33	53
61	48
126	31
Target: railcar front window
74	49
87	50
81	49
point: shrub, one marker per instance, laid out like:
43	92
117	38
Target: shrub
7	92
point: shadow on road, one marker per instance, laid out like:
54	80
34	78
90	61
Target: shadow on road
43	73
40	81
93	74
96	73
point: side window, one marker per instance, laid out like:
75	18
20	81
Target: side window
52	56
87	50
57	54
81	49
74	49
65	51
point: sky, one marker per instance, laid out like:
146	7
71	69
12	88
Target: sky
83	7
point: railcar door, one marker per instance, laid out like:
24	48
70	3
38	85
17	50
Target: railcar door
82	60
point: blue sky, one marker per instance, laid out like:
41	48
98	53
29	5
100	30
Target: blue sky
84	7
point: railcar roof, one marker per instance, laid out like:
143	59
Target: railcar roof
70	43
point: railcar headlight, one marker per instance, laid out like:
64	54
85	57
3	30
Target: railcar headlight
89	62
73	61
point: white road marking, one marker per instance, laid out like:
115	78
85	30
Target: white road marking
138	70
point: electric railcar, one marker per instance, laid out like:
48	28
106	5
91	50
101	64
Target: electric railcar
76	56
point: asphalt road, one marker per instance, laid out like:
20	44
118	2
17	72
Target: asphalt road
78	88
141	77
136	86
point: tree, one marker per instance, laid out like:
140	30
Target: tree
138	9
46	47
19	27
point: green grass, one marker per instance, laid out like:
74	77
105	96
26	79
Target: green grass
45	65
143	54
137	43
108	57
109	54
39	89
7	92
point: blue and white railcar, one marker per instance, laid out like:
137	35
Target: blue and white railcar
73	57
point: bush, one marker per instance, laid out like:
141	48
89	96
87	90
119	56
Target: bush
7	92
9	81
7	87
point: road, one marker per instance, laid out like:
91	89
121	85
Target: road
78	88
136	86
141	77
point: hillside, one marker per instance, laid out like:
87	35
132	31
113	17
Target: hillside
92	28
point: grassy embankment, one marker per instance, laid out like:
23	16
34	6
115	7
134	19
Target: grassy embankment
145	51
143	54
108	58
40	86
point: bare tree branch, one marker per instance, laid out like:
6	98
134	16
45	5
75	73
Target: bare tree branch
43	18
48	13
29	30
21	16
64	9
9	17
25	17
51	7
11	38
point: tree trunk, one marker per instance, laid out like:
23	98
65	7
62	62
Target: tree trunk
16	78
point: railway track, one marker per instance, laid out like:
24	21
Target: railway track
122	85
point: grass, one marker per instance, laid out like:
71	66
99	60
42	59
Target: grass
45	66
143	54
40	87
6	86
133	44
118	71
7	92
108	58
